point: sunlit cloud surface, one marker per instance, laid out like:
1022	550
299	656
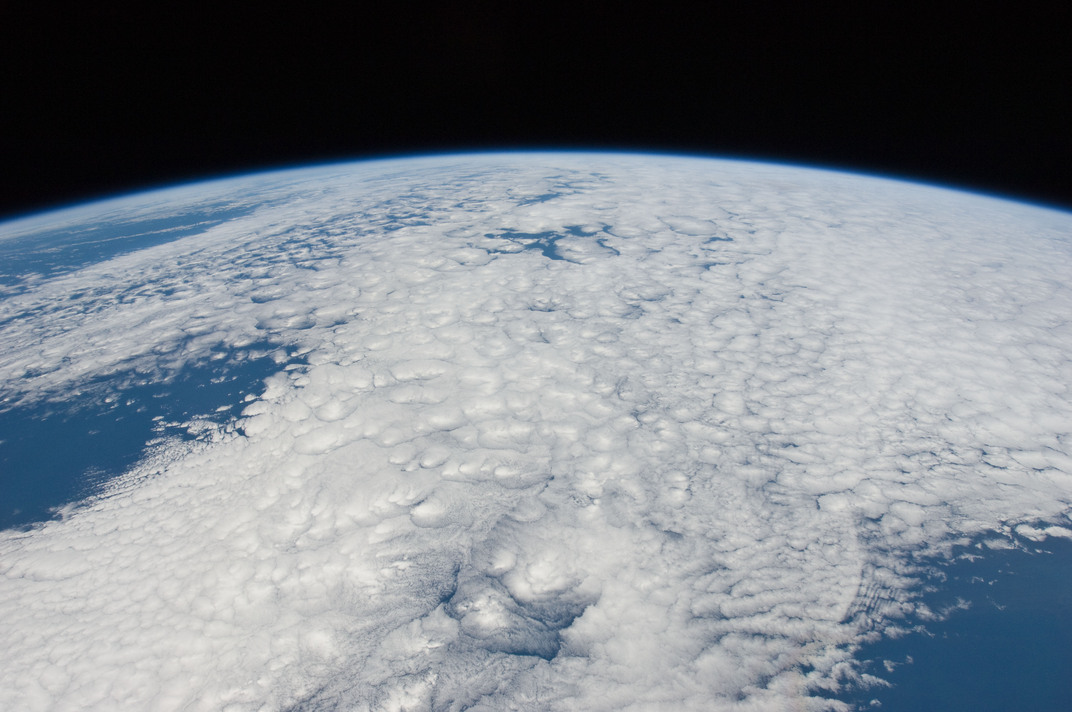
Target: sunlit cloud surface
549	432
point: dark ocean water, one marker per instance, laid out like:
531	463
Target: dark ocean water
55	453
1009	650
53	252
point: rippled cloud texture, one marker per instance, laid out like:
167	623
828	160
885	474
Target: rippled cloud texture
550	432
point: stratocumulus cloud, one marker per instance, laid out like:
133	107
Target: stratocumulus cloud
556	432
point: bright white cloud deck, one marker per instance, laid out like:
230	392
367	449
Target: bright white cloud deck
570	431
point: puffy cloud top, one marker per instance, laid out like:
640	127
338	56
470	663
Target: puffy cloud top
549	432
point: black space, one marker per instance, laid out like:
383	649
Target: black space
97	101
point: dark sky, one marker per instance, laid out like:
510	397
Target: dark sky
97	101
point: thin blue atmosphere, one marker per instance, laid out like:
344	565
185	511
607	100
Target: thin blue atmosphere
1010	649
52	454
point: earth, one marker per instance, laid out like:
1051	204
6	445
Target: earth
534	431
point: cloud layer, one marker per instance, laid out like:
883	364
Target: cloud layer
557	432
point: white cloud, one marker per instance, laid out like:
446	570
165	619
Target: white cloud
676	469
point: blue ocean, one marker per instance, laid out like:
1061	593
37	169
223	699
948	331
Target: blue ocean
49	253
1009	650
55	453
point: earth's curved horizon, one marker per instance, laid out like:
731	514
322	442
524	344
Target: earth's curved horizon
527	430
